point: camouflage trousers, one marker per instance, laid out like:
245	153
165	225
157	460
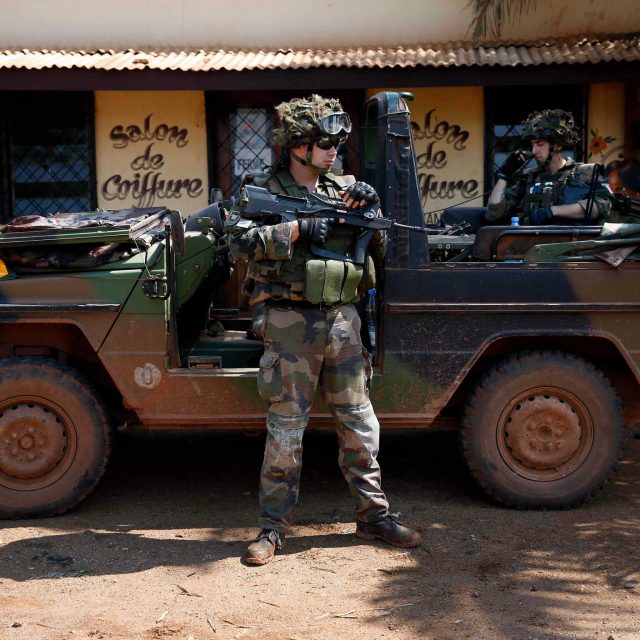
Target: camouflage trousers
303	347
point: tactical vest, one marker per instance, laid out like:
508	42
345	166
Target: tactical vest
303	274
549	189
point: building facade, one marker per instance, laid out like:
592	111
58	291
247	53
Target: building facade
121	107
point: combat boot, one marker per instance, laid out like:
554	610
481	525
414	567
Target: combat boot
263	548
389	530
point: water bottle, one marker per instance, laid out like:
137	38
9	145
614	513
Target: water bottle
515	222
370	313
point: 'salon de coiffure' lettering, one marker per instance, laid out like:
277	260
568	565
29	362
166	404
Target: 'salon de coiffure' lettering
145	188
121	136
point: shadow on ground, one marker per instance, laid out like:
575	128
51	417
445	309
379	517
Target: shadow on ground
483	570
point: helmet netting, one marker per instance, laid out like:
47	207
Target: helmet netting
299	120
555	125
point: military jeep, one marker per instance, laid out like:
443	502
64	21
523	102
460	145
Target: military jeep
530	352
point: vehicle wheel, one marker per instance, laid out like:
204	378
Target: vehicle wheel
542	430
54	438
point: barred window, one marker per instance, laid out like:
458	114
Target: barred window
49	155
251	149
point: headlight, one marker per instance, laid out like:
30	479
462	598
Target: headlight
3	269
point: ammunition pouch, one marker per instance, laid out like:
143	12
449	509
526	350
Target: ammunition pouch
331	281
545	190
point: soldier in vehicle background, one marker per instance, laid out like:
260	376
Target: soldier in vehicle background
311	328
624	177
556	191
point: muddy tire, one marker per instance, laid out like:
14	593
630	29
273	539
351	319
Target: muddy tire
542	430
55	438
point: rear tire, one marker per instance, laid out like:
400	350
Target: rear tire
542	430
55	438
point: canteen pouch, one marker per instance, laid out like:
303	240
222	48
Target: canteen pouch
331	281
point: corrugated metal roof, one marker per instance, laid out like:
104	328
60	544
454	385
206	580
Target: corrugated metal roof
593	49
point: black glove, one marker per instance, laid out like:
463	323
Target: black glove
541	215
515	160
314	230
362	191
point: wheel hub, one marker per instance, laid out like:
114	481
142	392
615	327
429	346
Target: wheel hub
543	432
33	440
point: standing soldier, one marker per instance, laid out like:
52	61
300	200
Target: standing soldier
558	189
312	336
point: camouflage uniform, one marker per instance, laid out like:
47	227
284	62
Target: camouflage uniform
306	344
567	186
537	187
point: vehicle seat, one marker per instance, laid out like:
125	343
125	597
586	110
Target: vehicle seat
472	217
231	349
496	243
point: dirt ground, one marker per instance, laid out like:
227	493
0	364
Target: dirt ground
154	554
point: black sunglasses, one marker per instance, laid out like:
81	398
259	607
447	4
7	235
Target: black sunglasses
326	143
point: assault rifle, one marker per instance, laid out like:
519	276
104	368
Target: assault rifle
257	203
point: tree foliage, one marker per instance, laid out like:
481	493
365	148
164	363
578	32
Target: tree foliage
489	16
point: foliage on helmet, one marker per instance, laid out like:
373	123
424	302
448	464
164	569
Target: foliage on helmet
299	118
555	125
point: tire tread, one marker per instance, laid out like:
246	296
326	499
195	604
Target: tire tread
489	384
30	367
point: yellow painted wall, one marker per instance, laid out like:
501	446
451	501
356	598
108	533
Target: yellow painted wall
448	133
605	141
151	149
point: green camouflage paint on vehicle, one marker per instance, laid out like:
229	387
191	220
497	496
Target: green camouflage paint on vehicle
131	336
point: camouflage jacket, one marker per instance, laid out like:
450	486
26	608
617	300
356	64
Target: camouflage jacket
536	188
276	264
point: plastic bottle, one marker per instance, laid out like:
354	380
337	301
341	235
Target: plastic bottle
515	221
370	316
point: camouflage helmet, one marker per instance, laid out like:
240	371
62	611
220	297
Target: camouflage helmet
555	125
307	120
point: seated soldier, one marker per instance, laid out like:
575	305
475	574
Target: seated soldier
624	181
624	177
557	190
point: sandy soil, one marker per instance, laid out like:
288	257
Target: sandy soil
154	554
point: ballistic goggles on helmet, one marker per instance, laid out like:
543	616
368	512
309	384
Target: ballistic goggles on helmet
334	123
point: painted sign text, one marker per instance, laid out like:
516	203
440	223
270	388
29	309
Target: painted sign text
441	138
148	183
